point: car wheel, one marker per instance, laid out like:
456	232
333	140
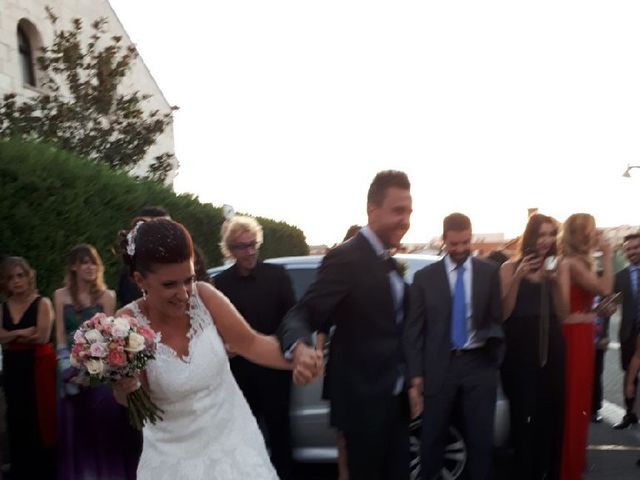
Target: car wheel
414	449
455	453
455	456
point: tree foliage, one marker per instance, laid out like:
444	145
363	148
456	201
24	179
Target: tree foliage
51	200
82	106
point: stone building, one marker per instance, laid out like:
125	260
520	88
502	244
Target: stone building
25	27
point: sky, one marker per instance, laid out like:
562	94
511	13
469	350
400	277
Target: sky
289	108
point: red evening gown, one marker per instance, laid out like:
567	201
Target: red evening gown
579	364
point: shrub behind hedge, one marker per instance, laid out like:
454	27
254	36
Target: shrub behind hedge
51	200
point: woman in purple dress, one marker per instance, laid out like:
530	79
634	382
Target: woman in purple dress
96	441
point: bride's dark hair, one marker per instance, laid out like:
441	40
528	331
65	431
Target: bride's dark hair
155	241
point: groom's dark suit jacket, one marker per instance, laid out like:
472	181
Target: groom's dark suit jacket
353	292
427	335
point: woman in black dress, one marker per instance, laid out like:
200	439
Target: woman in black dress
533	370
29	373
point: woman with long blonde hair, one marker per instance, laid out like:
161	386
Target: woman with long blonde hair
84	454
29	372
580	239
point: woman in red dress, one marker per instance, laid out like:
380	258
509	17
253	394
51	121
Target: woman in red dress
579	239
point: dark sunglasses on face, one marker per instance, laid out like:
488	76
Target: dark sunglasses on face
244	246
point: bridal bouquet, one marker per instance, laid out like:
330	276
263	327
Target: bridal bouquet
107	349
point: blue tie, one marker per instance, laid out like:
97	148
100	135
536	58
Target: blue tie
459	312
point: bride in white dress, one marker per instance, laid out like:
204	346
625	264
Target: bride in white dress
207	431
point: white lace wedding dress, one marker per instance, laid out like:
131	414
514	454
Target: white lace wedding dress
207	431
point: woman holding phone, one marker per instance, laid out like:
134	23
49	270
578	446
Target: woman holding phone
533	369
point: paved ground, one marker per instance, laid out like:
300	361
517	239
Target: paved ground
612	453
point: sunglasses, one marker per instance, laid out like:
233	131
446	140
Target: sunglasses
238	247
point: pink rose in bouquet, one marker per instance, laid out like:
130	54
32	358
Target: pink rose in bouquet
107	349
117	358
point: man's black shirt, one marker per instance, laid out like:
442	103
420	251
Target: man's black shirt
127	291
263	297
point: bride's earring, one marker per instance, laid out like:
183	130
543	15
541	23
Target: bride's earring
144	295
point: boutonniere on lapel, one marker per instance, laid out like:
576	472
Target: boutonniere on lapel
392	264
401	267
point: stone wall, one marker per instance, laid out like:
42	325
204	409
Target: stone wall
31	15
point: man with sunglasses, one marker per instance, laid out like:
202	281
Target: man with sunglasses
263	294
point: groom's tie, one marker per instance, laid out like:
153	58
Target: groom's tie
459	312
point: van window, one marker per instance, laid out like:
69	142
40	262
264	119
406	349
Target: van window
301	278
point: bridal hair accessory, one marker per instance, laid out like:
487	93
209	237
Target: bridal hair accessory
131	239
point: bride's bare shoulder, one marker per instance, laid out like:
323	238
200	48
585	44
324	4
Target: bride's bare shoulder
207	291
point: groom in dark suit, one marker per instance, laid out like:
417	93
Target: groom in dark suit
627	281
453	343
360	290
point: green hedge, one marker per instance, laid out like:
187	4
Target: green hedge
51	200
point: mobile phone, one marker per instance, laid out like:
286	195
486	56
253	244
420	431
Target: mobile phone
531	252
550	263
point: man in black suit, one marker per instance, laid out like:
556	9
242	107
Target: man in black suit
263	294
360	290
453	345
627	281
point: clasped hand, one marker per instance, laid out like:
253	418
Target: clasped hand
123	387
416	397
307	364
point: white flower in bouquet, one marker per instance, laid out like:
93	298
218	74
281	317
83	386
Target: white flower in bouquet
135	343
104	322
94	336
94	367
120	328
